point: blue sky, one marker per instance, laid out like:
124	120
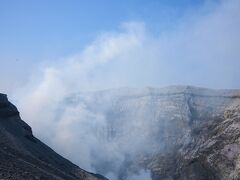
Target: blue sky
34	33
34	30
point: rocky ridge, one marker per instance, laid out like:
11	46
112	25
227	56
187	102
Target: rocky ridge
183	132
177	133
23	156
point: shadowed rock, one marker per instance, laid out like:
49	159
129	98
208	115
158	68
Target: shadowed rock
22	156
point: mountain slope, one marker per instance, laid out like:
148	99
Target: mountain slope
214	152
178	132
22	156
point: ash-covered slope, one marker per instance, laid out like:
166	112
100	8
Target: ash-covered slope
178	132
22	156
213	151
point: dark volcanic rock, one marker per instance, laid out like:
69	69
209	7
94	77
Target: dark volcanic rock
22	156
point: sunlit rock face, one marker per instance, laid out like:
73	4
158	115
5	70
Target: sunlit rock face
22	156
178	132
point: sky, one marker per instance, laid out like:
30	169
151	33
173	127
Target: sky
34	33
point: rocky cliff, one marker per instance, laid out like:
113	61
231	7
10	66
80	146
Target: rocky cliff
178	132
22	156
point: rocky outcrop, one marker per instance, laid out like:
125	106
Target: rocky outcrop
206	141
178	132
214	151
23	156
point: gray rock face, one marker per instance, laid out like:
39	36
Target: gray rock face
22	156
178	132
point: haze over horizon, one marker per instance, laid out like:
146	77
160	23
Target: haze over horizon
115	44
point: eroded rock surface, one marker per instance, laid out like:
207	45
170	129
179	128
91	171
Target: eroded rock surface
178	132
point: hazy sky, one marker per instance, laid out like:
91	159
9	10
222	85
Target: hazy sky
181	41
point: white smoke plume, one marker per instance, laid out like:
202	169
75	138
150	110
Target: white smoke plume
204	51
